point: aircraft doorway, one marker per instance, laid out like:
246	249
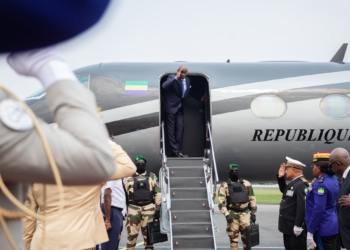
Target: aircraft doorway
196	111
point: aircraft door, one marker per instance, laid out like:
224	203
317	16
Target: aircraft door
196	111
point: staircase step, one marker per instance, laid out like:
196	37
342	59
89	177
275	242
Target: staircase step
187	182
185	161
186	171
190	211
197	242
184	229
190	216
189	204
185	193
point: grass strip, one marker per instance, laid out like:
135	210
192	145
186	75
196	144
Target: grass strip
264	196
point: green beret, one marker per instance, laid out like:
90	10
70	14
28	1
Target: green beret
233	166
139	158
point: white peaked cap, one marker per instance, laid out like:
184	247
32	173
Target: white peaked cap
294	163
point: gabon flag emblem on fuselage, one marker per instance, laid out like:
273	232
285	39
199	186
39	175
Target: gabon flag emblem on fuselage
136	88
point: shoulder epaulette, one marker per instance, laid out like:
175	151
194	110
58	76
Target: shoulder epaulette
321	179
304	180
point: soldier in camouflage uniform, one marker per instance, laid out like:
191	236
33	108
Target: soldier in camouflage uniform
237	202
144	202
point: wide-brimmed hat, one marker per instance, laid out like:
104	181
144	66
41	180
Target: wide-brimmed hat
30	24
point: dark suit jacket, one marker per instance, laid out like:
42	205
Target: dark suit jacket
173	94
292	206
344	214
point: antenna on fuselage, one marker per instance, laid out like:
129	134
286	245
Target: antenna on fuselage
339	56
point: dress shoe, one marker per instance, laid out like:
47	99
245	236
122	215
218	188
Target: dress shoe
181	155
175	155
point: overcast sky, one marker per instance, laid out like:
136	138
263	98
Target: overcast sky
205	31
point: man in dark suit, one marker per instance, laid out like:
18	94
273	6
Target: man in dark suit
176	89
339	161
292	207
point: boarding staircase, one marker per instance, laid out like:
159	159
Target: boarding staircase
188	185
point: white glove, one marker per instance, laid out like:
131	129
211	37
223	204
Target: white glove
297	230
310	240
46	64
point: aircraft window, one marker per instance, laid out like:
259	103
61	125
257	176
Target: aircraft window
336	106
268	107
84	79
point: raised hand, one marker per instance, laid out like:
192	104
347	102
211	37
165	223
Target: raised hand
282	170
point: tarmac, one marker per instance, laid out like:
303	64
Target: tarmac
267	218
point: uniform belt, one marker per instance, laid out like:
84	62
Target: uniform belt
140	203
239	209
120	209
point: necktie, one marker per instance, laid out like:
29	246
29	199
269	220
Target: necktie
183	90
183	87
342	180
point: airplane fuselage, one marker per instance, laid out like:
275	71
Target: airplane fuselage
259	112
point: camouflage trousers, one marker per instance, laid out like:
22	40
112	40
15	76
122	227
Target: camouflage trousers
241	220
138	216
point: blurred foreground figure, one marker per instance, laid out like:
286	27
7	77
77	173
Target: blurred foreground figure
79	145
81	224
34	24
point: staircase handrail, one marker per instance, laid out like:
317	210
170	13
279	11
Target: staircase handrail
168	202
213	154
209	193
164	158
211	206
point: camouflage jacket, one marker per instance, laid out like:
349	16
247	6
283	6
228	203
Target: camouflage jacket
223	193
153	183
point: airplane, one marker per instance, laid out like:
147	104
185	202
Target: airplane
258	113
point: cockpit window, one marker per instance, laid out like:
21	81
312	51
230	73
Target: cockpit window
336	106
83	79
268	107
36	95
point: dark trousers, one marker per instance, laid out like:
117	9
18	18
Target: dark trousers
174	125
338	245
291	242
116	220
326	242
